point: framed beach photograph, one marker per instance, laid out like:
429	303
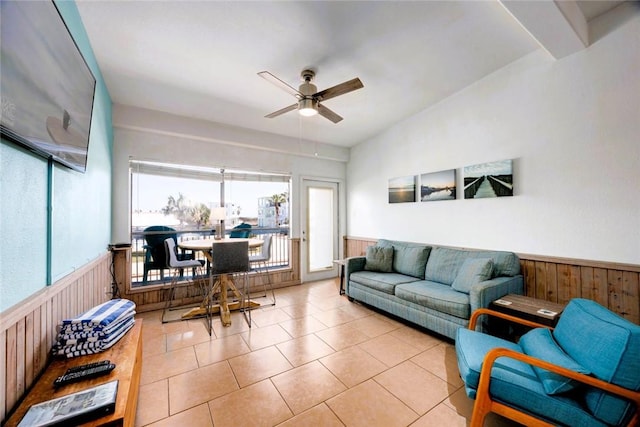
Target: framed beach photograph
438	186
402	189
493	179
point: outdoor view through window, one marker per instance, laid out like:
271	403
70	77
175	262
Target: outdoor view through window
184	198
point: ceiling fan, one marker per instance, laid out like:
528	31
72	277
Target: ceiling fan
309	99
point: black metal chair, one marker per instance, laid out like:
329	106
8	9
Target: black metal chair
155	256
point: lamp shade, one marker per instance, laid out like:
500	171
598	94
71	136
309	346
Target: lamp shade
219	214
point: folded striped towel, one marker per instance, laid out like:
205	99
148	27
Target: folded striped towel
68	331
100	316
78	338
97	347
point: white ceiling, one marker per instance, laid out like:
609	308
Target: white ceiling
200	59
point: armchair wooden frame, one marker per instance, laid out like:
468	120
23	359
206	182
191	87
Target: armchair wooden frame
485	404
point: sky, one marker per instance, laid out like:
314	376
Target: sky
151	192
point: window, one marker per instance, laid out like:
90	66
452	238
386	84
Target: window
184	197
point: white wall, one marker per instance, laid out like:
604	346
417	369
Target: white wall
572	127
155	136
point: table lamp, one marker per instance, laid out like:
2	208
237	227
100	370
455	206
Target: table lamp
219	215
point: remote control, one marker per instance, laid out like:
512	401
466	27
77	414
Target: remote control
87	366
83	375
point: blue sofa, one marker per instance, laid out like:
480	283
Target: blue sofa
435	287
598	348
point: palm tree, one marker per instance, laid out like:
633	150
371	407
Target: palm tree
177	207
276	200
200	215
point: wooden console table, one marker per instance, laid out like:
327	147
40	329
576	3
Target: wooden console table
127	356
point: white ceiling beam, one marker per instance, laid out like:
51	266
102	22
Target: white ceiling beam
558	26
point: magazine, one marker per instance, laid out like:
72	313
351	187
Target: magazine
77	407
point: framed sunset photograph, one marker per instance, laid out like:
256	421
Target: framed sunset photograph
438	186
402	189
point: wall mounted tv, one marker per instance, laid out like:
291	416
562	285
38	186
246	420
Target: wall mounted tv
47	88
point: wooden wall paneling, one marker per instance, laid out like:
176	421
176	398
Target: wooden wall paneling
551	282
38	362
540	287
28	348
631	295
528	269
12	367
614	287
20	357
3	374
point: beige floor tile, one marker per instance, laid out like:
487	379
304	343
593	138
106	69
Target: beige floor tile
257	338
319	385
304	309
417	388
460	402
319	415
258	365
153	402
356	310
257	405
194	417
441	360
165	365
353	365
373	326
267	316
330	301
304	349
334	317
152	345
200	385
442	415
187	338
302	326
238	325
220	349
370	405
417	338
389	349
341	337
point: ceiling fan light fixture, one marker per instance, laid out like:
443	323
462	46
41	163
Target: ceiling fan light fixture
308	107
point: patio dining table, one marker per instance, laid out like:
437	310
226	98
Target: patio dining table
224	282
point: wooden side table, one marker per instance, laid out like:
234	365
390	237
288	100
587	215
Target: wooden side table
544	312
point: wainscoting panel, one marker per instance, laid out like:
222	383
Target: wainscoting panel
613	285
28	330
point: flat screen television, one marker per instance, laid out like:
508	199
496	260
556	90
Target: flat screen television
47	88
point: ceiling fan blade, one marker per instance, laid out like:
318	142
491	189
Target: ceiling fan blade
282	85
282	111
338	90
327	113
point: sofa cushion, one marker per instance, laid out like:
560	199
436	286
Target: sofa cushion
379	258
444	263
408	258
608	346
383	282
472	271
513	382
540	344
436	296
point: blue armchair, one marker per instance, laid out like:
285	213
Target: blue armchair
242	230
585	372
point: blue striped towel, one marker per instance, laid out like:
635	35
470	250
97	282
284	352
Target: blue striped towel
84	349
81	337
78	330
101	315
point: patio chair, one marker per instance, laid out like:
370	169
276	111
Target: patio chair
261	262
241	231
155	256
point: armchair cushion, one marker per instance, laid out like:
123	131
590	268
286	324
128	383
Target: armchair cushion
471	272
612	353
379	259
540	344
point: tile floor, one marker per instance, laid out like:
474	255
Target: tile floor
313	359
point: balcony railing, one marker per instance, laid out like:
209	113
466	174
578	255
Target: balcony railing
279	252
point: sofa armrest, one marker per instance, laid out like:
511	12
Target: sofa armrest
483	293
352	265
